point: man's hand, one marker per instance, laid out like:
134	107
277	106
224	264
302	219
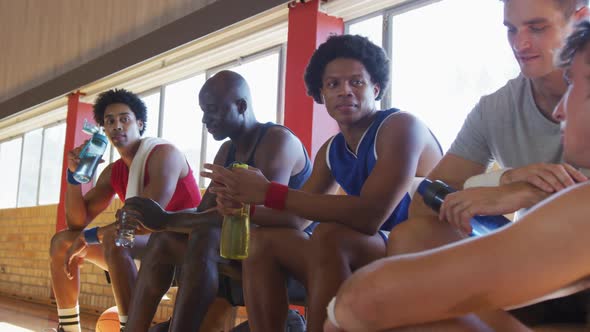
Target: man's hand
227	206
75	255
459	207
238	184
145	212
74	157
547	177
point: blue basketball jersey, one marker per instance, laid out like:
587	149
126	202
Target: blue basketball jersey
351	169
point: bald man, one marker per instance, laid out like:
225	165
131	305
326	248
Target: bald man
190	239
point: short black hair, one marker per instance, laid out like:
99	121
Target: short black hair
120	96
568	7
575	42
354	47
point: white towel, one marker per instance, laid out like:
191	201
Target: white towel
137	168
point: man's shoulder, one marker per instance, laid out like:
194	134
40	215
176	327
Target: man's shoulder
279	139
506	97
279	134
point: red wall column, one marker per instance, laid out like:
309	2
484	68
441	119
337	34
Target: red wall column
77	112
308	28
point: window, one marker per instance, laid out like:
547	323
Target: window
182	116
371	28
152	102
262	75
10	153
442	66
30	166
52	164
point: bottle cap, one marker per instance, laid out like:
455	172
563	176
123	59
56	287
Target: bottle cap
236	164
433	192
89	128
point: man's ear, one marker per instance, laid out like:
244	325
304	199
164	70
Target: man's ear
140	124
376	89
581	14
242	105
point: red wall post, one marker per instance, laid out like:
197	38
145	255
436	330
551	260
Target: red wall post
77	112
308	28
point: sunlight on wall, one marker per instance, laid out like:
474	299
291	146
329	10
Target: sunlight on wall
5	327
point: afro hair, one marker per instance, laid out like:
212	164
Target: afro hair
120	96
354	47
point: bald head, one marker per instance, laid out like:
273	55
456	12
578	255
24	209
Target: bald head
226	104
226	85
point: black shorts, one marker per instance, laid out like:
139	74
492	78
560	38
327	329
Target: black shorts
573	309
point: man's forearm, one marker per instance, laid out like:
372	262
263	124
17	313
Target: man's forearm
75	208
187	221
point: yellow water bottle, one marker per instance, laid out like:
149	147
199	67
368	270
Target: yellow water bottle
235	231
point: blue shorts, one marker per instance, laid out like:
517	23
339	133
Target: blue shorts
309	230
384	235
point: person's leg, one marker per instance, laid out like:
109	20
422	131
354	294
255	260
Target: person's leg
163	252
66	291
335	251
273	252
199	280
484	322
122	270
420	234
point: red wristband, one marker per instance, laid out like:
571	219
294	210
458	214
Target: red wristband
252	210
276	196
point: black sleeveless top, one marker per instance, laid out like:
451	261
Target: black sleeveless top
296	181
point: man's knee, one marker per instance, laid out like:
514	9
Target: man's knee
329	238
165	248
61	242
204	241
111	250
261	242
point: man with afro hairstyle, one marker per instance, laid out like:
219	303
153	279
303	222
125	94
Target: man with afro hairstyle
168	180
374	158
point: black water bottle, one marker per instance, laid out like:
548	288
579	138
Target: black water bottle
434	194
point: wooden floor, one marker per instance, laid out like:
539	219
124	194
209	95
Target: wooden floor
21	316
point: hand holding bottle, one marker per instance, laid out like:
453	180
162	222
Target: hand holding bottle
146	213
235	231
90	155
241	184
469	221
126	232
74	157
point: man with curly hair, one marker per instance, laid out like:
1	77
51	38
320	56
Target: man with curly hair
546	250
168	180
374	158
